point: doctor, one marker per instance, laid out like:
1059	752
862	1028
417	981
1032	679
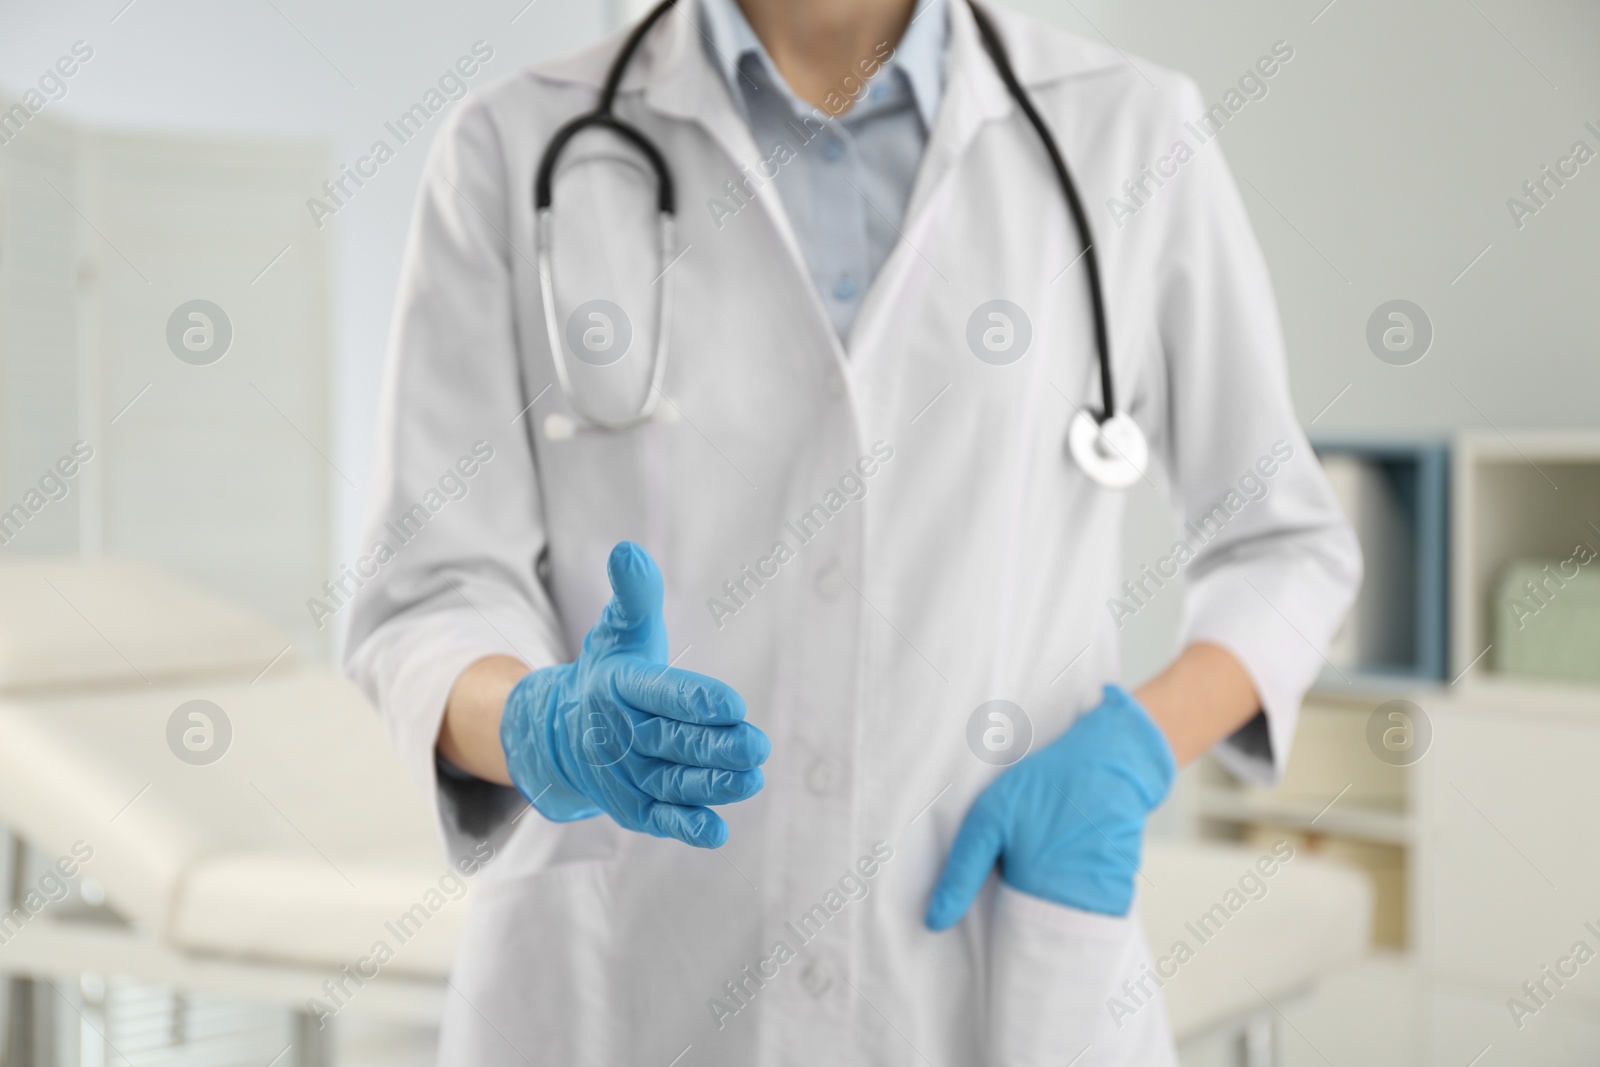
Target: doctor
809	674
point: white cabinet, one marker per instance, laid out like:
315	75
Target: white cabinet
1508	872
1485	851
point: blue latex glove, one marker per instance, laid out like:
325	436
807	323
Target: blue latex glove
620	732
1066	822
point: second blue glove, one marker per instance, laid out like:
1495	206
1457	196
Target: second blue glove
1067	822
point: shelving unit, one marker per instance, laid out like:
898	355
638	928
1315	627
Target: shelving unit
1504	803
1482	851
1364	823
1396	494
1335	798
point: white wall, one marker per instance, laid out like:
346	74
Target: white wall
293	67
1381	163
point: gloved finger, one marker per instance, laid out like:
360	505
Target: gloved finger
677	784
631	621
677	694
700	827
978	844
740	747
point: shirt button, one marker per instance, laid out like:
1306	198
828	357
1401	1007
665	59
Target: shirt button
822	776
832	149
844	288
816	979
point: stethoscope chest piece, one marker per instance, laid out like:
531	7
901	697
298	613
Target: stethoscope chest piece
1113	453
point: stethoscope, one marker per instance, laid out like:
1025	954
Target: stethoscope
1108	445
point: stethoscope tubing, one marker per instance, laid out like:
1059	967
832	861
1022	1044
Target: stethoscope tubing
667	225
1069	188
602	117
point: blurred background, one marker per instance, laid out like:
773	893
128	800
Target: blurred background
174	189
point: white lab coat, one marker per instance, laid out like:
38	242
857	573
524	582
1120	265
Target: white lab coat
977	565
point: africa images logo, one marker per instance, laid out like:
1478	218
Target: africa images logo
451	85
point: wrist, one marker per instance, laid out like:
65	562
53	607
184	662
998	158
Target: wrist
1152	760
1200	698
531	737
469	732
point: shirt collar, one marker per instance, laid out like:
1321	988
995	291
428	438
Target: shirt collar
919	55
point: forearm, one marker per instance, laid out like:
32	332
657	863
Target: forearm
469	737
1201	697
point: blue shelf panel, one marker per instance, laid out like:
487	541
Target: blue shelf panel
1418	473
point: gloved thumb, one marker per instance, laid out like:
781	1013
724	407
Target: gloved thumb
631	621
972	857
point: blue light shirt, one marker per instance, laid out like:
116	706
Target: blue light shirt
844	179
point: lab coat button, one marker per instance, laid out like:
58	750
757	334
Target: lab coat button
816	979
822	776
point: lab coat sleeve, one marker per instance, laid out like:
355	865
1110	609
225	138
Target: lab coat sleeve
454	528
1275	563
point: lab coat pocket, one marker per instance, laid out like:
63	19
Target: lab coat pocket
1056	982
538	968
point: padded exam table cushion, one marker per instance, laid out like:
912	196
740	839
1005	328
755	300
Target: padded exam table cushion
298	845
75	623
1315	916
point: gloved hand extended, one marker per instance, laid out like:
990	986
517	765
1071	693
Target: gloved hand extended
620	732
1066	822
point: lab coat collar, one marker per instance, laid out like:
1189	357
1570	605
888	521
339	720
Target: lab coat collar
680	83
